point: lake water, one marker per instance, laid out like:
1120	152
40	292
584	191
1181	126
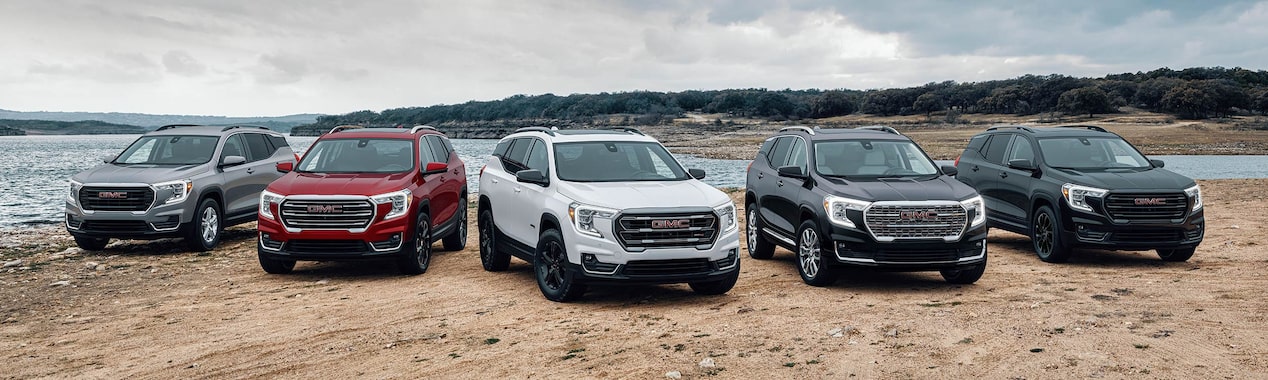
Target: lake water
36	169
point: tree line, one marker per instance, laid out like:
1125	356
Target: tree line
1193	93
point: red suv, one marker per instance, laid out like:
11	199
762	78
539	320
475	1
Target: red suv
366	193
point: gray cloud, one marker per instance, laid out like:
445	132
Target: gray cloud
181	63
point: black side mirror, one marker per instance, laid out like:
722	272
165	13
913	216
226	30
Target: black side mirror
1157	163
696	173
1021	163
950	170
532	176
233	160
791	171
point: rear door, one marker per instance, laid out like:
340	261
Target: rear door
1014	184
261	170
764	183
989	176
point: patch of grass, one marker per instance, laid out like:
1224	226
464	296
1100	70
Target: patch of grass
699	335
679	347
492	340
790	364
454	355
813	361
965	341
1140	346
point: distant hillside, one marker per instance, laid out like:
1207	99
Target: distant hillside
6	131
277	123
90	127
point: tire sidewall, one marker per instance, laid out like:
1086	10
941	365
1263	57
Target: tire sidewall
540	271
420	252
1058	250
822	275
196	227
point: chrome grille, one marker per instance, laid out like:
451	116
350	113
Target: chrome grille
647	230
1153	205
893	222
327	214
96	198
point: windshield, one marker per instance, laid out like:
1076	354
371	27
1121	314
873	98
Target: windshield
616	161
359	156
872	158
1091	153
169	150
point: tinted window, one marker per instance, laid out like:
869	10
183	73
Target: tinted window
258	146
425	151
798	156
616	162
233	147
519	150
169	150
438	151
1021	150
996	147
359	156
779	153
502	147
278	142
538	158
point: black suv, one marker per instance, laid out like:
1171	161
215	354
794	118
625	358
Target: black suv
867	197
1082	186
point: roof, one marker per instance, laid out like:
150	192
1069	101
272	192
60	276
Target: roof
1064	130
206	130
352	131
871	133
579	135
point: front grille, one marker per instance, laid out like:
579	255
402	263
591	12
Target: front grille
325	246
327	214
1146	206
115	226
96	198
891	222
667	230
666	267
1148	235
917	256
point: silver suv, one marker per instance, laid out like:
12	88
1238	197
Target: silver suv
179	181
601	206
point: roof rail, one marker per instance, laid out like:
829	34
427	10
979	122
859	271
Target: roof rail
881	128
627	130
421	127
548	131
1024	128
170	126
807	130
344	127
243	126
1092	127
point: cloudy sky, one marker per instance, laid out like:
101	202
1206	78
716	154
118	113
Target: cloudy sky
277	57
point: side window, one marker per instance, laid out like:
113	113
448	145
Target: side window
502	148
514	159
438	151
425	153
278	142
538	158
779	153
1021	150
233	147
257	146
996	147
798	156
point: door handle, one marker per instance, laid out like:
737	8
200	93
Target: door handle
760	175
518	190
250	170
493	180
974	168
455	171
780	183
1003	175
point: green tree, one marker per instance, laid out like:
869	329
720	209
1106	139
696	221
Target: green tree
832	103
928	103
1189	101
1088	100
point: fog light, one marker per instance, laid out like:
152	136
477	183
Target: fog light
589	258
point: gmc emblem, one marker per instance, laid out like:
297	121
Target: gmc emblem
671	223
112	195
1150	201
917	215
325	209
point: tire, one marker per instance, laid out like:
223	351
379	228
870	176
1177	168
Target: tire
91	244
1171	255
274	266
457	240
1045	234
490	258
556	282
758	247
965	276
203	233
418	258
717	287
814	270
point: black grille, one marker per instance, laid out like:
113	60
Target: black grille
1146	206
325	246
915	221
115	226
917	256
327	214
116	198
666	267
667	230
1148	235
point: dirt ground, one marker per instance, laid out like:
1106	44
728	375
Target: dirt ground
150	310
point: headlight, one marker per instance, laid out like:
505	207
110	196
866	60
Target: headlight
583	218
267	200
727	215
173	192
399	201
73	197
1076	196
838	207
1195	193
978	207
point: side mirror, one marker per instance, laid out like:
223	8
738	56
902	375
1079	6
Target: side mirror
950	170
532	176
285	167
791	171
1021	163
696	173
1157	163
435	167
233	160
109	158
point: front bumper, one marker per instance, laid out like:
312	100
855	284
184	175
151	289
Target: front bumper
598	260
163	221
857	248
1093	230
382	239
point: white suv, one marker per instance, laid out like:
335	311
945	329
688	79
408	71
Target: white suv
603	206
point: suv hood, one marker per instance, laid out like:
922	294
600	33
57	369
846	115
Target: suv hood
1133	179
625	195
365	184
150	174
942	188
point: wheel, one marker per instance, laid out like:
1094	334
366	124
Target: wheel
457	240
717	287
274	266
490	258
1045	233
758	247
91	244
814	271
965	276
1174	255
554	279
203	233
419	257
